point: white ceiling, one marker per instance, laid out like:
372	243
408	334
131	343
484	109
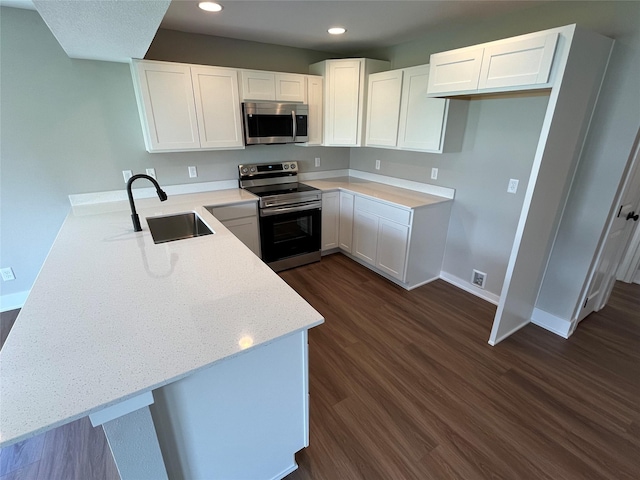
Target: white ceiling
304	23
116	30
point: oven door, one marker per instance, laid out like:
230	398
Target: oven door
289	231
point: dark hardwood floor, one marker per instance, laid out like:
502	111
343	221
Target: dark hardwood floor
404	386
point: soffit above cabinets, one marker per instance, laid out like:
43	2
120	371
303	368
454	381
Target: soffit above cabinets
100	30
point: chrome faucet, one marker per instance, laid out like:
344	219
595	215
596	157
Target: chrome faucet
134	215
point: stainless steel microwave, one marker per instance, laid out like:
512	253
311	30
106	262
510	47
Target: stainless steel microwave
271	122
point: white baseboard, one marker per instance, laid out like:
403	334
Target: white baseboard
13	301
469	287
550	322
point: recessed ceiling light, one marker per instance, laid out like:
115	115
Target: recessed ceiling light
336	30
210	6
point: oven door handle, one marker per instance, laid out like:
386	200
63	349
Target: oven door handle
269	212
295	127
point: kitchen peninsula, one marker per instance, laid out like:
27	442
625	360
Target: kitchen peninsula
192	354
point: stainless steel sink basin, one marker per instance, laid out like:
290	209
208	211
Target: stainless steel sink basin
168	228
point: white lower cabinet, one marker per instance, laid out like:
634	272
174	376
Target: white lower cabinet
378	241
391	253
345	235
365	236
330	220
404	244
241	220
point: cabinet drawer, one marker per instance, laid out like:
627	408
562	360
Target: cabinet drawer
229	212
383	210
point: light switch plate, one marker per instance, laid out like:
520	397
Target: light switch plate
127	174
152	173
434	174
377	164
513	185
317	161
193	172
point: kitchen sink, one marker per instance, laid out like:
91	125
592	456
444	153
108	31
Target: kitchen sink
169	228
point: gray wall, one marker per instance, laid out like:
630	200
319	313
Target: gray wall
71	126
174	46
474	228
500	139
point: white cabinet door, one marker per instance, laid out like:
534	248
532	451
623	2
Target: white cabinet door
383	108
455	71
422	119
258	85
518	62
246	229
330	220
365	236
346	221
217	107
291	87
315	99
167	109
392	248
343	103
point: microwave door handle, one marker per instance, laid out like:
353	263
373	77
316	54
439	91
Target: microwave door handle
293	119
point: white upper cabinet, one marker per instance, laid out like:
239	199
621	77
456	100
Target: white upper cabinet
383	108
314	97
273	86
455	71
216	96
425	121
343	103
258	85
291	87
166	106
400	115
518	63
345	86
184	107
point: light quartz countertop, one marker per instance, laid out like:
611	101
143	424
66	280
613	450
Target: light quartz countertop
401	197
112	315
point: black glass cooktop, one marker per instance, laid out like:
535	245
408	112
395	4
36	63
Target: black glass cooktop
280	189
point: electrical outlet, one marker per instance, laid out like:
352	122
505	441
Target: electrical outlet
479	278
317	161
377	164
127	174
434	174
151	172
7	274
513	185
193	172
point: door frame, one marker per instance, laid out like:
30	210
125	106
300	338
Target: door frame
599	301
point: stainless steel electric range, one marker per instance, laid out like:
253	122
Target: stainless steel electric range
290	214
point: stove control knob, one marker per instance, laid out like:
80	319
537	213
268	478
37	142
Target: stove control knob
245	169
253	169
286	166
293	166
